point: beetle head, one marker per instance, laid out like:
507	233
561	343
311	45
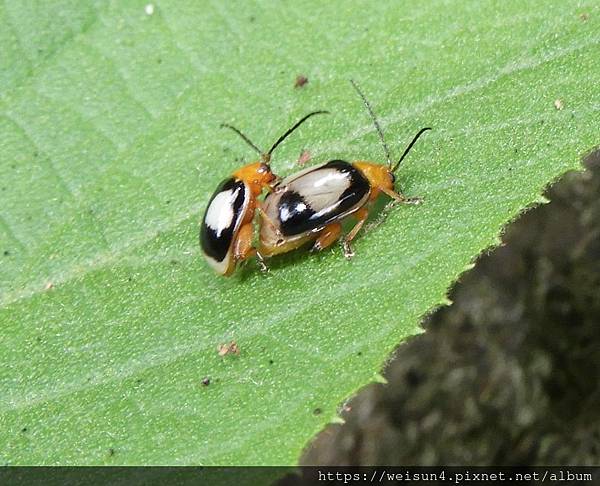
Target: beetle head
257	175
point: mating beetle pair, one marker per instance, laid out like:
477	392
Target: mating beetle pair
305	207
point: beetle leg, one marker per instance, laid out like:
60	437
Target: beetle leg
270	186
269	221
362	214
261	263
244	249
243	244
400	198
329	235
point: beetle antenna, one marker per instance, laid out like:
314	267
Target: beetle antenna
377	126
290	130
410	145
246	139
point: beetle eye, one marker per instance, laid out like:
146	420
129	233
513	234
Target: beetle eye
263	169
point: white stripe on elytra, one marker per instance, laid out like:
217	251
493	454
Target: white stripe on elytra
321	188
219	215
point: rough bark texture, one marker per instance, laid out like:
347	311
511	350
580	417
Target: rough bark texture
510	373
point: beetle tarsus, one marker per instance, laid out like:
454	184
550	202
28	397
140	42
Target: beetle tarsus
261	263
402	199
415	201
348	251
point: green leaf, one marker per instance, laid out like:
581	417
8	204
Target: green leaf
111	147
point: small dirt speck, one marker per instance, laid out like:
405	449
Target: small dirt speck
558	104
584	16
24	429
317	411
205	381
271	361
111	452
301	80
6	252
49	286
230	348
304	157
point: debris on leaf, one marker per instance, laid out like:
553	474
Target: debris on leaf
301	80
305	156
149	9
558	104
205	381
230	348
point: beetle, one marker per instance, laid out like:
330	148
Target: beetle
226	230
310	205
